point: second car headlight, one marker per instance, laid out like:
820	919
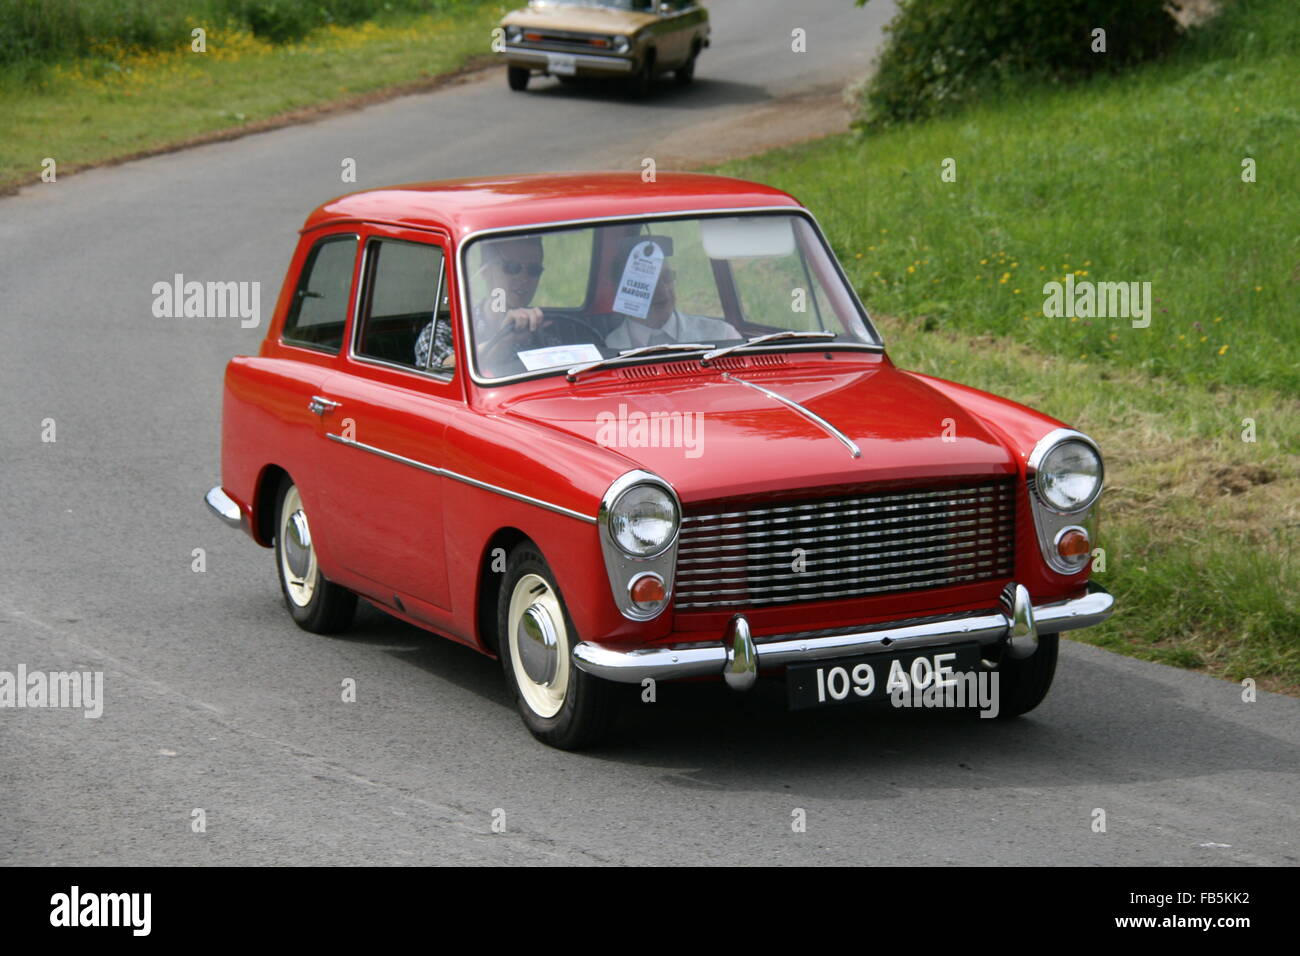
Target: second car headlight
621	44
643	520
1069	476
514	34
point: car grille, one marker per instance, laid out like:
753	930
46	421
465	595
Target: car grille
562	40
900	541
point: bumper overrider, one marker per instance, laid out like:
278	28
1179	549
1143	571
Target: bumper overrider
739	657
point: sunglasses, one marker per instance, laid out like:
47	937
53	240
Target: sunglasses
512	268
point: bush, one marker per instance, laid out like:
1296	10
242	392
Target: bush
942	54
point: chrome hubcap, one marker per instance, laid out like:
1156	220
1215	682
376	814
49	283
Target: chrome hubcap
297	555
297	544
537	644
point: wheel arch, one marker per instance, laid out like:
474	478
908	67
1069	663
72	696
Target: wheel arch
489	582
265	503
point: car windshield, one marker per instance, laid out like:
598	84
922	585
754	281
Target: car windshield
553	299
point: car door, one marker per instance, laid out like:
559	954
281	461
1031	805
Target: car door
288	377
382	431
673	32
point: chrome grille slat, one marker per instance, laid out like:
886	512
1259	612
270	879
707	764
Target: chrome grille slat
991	517
865	544
814	507
825	563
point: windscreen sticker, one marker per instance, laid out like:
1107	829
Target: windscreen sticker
640	276
553	355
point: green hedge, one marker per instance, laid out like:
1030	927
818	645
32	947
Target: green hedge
942	54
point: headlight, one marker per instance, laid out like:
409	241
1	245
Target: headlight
513	34
1069	476
643	520
621	44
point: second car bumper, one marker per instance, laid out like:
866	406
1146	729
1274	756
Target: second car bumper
739	656
586	63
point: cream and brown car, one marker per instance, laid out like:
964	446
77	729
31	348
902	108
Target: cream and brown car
631	40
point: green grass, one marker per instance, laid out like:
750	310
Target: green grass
41	31
1132	178
125	101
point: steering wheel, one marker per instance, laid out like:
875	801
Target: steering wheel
598	337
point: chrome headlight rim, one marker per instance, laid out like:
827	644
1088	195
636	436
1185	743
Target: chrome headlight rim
617	491
622	568
1048	444
620	44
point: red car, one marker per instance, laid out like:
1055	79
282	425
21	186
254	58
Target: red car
616	432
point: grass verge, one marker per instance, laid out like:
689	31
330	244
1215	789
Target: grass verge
121	103
1131	178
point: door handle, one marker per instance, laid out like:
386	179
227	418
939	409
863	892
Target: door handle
319	405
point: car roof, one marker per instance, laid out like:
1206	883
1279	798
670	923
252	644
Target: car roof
464	206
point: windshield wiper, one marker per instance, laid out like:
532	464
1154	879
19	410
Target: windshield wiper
708	357
572	374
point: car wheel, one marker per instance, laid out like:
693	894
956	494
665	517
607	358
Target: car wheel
641	82
517	77
315	603
561	705
685	73
1024	682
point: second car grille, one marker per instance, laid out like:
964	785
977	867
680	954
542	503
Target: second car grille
846	547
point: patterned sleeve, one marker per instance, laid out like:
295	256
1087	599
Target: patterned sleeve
439	333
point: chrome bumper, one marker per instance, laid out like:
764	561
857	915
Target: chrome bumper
224	507
536	59
739	657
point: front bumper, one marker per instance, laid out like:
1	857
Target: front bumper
224	507
586	63
739	656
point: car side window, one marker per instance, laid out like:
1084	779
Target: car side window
319	310
407	316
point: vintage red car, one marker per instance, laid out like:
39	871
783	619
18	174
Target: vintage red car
614	431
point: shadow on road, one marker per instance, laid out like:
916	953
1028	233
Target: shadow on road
702	94
1100	723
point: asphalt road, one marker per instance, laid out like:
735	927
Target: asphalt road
215	700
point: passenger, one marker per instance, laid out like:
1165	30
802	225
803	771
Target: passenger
663	323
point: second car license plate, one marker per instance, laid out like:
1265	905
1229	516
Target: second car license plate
561	64
877	676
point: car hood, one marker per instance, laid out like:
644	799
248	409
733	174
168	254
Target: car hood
713	436
579	19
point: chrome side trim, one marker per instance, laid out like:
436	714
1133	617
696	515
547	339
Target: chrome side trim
703	659
456	476
877	345
816	419
224	507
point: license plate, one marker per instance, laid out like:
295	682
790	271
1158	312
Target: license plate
561	64
875	677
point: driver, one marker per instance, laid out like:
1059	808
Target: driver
663	322
513	266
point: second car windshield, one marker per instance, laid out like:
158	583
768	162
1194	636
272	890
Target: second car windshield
554	299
